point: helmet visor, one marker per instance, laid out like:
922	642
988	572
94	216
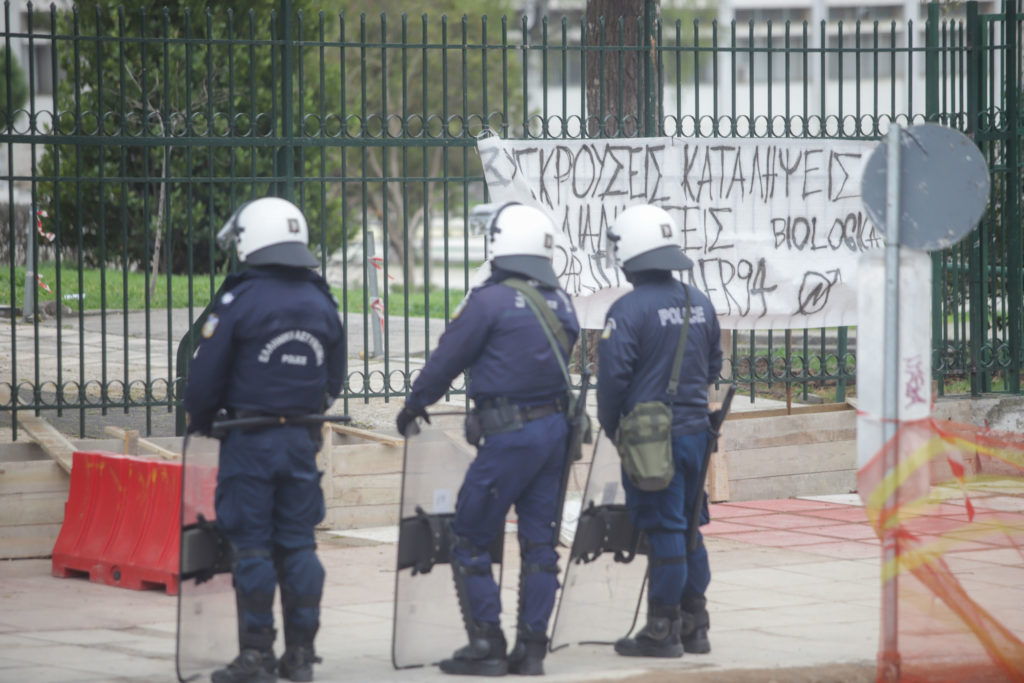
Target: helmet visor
293	254
664	258
534	267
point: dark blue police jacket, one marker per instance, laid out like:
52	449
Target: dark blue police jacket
497	336
273	344
637	348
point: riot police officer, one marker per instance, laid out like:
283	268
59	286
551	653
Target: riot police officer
635	358
519	420
273	345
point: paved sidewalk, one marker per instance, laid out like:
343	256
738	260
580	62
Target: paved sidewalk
794	597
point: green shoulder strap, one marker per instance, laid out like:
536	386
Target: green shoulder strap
677	362
552	326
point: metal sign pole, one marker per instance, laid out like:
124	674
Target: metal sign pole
889	664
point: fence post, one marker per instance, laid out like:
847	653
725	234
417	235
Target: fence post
931	112
1011	212
285	160
978	263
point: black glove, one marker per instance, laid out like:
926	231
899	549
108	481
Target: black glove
406	420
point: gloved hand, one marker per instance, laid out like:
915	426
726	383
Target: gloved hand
406	421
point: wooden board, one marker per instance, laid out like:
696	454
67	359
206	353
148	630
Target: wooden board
132	443
33	476
347	430
53	443
31	540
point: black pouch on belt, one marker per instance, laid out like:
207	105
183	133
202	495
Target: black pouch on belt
474	430
499	416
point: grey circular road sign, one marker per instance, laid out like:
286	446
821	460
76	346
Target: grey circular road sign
943	186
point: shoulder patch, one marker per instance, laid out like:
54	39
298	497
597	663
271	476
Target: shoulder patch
609	327
210	326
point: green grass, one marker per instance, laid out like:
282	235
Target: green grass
417	301
117	282
118	291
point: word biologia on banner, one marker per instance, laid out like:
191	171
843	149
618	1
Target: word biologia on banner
774	226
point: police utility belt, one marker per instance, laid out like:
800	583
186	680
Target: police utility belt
499	415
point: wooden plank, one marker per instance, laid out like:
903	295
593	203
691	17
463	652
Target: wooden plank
366	482
132	443
782	412
33	476
362	516
368	495
375	458
42	507
718	474
790	486
325	462
791	431
347	430
53	443
785	461
33	540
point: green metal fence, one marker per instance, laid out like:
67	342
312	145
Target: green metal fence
163	120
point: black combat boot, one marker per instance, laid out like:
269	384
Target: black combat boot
296	664
484	656
658	638
255	663
250	666
696	623
527	656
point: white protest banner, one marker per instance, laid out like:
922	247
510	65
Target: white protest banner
774	226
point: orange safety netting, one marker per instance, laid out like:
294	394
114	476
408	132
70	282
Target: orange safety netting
948	498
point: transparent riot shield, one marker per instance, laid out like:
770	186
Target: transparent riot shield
606	572
428	624
207	619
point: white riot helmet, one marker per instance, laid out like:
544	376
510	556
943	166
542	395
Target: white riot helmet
645	237
268	231
521	239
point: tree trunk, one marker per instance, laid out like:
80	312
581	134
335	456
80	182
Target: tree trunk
614	80
615	53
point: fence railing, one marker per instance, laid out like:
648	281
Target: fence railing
161	121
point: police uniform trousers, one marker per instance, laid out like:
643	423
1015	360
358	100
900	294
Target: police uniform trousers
522	467
664	516
268	503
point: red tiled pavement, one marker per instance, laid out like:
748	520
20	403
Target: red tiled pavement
819	527
843	513
844	550
852	532
774	538
787	521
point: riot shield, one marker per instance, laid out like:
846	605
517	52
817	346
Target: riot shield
207	619
428	625
207	612
606	572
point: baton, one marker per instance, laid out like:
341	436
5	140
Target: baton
221	426
574	433
717	418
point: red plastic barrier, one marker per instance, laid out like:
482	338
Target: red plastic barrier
122	522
